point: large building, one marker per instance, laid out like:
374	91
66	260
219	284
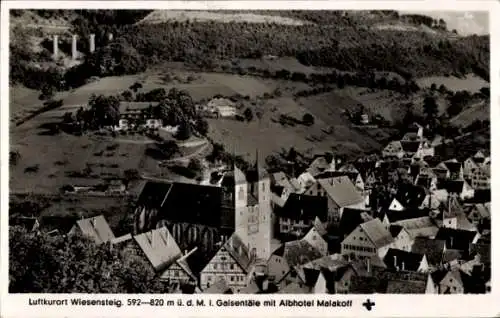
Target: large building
199	215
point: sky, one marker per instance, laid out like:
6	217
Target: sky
466	23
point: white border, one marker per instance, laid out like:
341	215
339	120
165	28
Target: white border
386	305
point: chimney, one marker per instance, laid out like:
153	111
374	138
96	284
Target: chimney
56	46
185	252
74	51
92	43
403	266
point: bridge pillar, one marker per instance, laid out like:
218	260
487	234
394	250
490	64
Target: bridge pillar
74	51
92	43
55	48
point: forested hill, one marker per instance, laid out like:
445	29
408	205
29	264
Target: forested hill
357	41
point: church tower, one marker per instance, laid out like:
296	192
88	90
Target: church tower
260	240
240	203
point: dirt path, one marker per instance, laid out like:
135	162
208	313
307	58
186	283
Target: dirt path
187	157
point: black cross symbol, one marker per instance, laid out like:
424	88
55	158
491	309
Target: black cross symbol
368	304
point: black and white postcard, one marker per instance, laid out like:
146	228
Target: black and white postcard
225	158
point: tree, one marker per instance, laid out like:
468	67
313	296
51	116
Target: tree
195	165
184	131
47	92
39	263
127	96
104	110
169	148
248	114
202	126
308	119
430	107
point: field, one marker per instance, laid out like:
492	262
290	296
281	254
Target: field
470	83
50	160
162	16
480	111
389	104
269	136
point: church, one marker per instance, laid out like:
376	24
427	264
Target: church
204	216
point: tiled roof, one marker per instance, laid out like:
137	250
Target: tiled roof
330	262
403	260
408	214
452	255
377	233
395	229
410	146
405	287
410	196
295	288
304	207
121	239
335	174
128	106
423	226
453	166
366	285
159	247
277	267
482	209
432	249
300	252
456	239
342	191
96	228
63	224
185	202
452	186
394	146
26	222
220	286
238	251
351	218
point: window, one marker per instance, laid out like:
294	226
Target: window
222	258
231	266
215	266
209	278
263	186
231	278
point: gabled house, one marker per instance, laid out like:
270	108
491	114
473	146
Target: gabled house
399	260
95	228
316	240
163	253
419	227
305	180
394	149
477	172
352	218
450	281
30	224
417	129
458	239
354	176
299	213
285	265
232	262
341	193
458	187
431	248
478	213
454	168
402	239
368	239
